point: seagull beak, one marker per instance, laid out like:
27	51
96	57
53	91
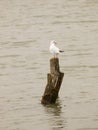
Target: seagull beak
55	42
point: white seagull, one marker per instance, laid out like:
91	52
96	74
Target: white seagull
54	50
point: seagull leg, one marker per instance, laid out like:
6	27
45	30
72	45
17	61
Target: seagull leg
54	55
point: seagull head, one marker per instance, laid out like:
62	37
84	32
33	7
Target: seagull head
53	42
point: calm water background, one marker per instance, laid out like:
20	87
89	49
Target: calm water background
26	28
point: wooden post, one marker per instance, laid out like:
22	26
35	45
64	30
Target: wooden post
54	80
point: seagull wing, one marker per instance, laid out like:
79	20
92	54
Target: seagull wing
56	49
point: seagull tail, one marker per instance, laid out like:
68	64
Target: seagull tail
61	51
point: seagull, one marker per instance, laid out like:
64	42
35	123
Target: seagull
53	49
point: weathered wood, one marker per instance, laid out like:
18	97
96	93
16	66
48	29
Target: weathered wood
54	80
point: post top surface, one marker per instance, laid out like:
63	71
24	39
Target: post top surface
54	59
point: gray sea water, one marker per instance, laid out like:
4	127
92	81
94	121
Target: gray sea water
26	29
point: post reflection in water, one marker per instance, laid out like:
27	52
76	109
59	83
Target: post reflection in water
55	116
